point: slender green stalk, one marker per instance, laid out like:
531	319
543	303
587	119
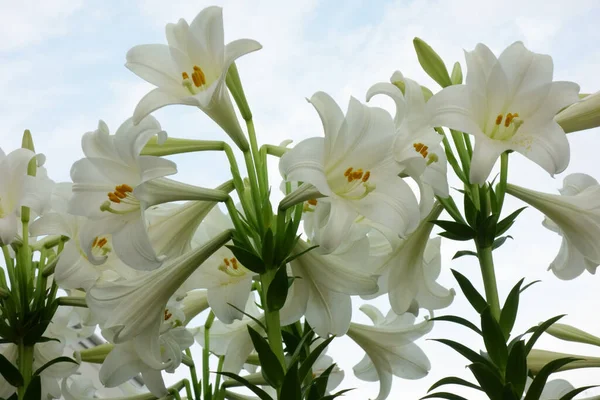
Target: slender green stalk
467	140
272	318
206	353
25	363
486	262
254	188
72	301
501	188
262	175
194	376
188	390
10	269
450	156
217	392
463	153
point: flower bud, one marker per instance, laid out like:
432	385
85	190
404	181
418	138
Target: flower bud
572	334
457	75
582	115
538	358
432	63
95	354
234	84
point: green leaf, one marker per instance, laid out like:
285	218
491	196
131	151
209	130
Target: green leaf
44	339
248	259
52	362
456	228
443	395
453	380
462	253
292	257
34	389
509	311
271	368
488	380
278	290
537	332
487	231
494	340
507	222
472	295
529	284
509	393
465	352
471	212
267	248
452	236
336	394
262	395
249	316
575	392
300	346
431	62
458	320
500	241
318	386
537	386
290	389
10	372
312	357
456	76
516	368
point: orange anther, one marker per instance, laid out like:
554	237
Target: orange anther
198	76
120	194
499	119
234	263
348	172
366	176
167	314
185	75
312	202
102	242
114	198
226	261
509	118
95	241
124	188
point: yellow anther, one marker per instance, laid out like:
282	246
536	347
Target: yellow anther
365	177
101	242
198	76
95	241
234	263
167	314
348	172
421	149
113	197
312	202
120	194
226	261
358	174
124	188
499	119
185	75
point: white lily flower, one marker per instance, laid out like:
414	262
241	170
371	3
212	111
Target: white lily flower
584	114
192	69
74	270
570	262
508	103
389	348
354	167
232	340
324	285
227	281
135	308
417	147
13	170
409	274
577	217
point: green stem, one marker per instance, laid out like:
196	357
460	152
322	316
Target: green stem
72	301
25	363
218	378
262	175
501	187
450	156
254	188
194	376
272	318
206	354
463	153
486	262
10	269
188	391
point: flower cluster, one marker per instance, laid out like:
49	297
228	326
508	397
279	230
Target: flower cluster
142	255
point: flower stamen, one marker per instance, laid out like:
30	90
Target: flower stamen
231	267
421	149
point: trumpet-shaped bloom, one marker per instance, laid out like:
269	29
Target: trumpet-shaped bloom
13	173
103	190
226	279
417	147
325	282
191	70
136	308
576	216
570	262
508	103
389	348
353	166
409	273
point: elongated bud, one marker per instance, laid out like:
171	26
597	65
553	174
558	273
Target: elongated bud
432	63
194	303
163	190
305	192
538	358
234	84
457	75
572	334
27	143
177	146
582	115
95	355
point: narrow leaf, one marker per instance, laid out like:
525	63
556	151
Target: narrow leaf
267	248
290	389
262	395
248	259
537	332
575	392
270	366
34	389
443	395
500	241
516	368
278	290
494	340
453	380
249	316
462	253
488	380
507	222
336	394
52	362
465	352
537	386
458	320
529	284
509	311
456	228
312	357
10	372
476	300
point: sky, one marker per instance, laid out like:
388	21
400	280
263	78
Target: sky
62	69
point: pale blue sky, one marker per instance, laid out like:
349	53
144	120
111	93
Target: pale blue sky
61	69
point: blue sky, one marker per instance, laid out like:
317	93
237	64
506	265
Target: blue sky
61	69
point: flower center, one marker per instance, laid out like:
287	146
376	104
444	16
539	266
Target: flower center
198	81
308	204
232	267
175	322
506	127
99	247
357	184
121	200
